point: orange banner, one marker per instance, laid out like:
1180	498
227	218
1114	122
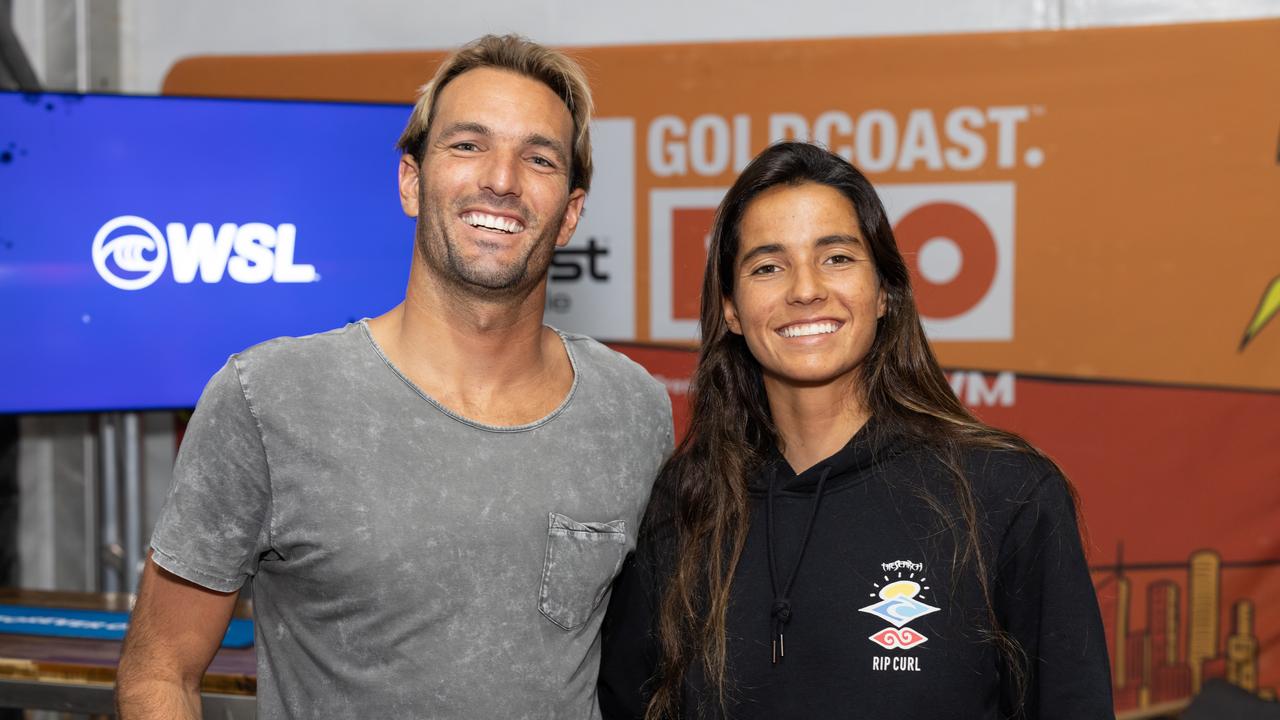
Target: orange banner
1117	187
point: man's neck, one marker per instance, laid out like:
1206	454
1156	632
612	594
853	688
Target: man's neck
489	359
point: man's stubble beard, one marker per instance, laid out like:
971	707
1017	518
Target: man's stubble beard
442	255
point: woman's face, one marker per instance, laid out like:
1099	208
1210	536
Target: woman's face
806	296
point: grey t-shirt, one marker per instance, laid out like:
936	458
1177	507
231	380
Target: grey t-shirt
408	562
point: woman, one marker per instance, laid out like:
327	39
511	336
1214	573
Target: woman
837	536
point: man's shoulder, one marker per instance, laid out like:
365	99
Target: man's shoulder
615	366
295	355
299	366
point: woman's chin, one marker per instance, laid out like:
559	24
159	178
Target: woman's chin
809	377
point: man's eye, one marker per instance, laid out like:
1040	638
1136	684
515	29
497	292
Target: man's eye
539	160
466	146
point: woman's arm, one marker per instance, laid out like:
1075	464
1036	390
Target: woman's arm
1045	599
629	650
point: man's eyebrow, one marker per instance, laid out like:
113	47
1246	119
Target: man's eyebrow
555	146
535	139
459	128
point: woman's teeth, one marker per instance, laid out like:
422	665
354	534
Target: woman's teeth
818	328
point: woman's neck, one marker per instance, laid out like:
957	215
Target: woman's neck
814	421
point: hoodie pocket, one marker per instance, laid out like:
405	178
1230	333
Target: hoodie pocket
582	559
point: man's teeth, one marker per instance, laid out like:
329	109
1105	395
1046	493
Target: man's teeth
818	328
492	222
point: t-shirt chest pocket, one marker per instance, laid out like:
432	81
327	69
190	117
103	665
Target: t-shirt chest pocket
581	560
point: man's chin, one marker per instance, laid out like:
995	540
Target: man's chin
493	281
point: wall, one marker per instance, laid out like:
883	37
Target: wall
155	33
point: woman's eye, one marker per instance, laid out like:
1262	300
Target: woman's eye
766	270
839	259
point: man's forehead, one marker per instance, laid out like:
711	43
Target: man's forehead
505	101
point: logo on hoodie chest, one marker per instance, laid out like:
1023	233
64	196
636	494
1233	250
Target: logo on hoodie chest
901	600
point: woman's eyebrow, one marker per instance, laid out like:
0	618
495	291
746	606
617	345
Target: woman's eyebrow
762	250
829	240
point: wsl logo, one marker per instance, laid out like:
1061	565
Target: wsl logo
130	253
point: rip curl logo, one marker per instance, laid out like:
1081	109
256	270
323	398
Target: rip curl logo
901	601
900	610
903	639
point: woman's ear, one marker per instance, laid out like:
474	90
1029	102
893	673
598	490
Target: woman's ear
731	315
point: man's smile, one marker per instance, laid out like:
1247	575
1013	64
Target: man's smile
493	223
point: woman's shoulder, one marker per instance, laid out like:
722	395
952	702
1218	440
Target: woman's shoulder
992	467
1000	481
1018	489
1010	472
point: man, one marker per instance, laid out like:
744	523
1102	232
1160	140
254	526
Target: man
432	503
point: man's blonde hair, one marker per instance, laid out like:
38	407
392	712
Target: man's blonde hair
519	55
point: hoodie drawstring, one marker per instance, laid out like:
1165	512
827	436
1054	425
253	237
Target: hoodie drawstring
781	609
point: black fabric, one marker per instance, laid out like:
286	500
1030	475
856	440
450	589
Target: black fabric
877	527
8	500
9	515
780	611
1219	699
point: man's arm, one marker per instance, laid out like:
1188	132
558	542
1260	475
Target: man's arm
174	632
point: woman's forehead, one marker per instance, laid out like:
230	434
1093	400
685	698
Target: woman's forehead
798	216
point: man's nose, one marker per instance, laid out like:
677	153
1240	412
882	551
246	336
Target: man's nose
501	173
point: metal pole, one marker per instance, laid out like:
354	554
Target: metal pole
109	548
82	46
92	556
15	68
132	502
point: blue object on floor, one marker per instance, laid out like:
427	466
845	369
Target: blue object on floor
93	624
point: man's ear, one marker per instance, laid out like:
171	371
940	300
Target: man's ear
731	315
410	177
572	214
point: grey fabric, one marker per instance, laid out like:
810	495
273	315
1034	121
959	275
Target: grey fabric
407	562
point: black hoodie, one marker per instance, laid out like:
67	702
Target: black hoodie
877	624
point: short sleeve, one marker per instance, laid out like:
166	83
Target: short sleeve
215	522
1045	599
668	421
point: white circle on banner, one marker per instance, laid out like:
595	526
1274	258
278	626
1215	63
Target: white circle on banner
940	260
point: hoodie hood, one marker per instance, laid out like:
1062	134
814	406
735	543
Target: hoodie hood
871	445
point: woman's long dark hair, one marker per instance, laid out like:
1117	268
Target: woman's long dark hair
702	502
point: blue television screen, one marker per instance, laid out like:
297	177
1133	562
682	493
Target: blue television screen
145	239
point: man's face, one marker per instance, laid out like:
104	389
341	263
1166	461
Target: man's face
492	195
